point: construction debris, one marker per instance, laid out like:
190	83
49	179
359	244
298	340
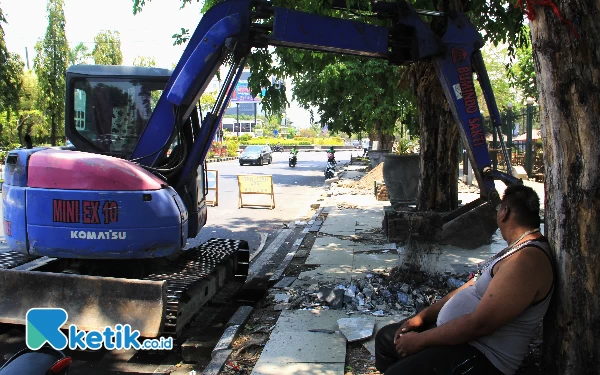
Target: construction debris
405	290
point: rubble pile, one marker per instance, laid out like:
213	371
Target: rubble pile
367	182
404	290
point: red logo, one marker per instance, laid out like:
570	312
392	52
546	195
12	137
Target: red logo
458	55
7	228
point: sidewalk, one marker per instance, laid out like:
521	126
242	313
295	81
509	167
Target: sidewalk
348	254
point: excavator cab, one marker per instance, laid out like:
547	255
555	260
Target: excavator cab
108	107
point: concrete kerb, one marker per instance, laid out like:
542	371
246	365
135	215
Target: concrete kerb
217	160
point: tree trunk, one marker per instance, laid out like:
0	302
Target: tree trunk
438	183
53	131
568	77
377	134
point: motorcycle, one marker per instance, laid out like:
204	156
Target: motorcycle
292	160
330	167
278	148
45	361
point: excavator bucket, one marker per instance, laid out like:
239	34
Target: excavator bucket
92	303
470	226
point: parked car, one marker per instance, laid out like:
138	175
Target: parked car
256	155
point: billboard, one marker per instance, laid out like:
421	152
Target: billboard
242	94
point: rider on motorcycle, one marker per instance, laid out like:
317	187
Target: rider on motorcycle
331	155
293	154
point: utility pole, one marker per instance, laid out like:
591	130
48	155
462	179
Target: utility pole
27	58
238	118
529	145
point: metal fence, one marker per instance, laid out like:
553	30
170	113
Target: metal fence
522	137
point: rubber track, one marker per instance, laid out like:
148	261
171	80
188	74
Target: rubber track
193	266
181	273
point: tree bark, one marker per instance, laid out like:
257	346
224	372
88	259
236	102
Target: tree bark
53	131
377	134
568	77
438	183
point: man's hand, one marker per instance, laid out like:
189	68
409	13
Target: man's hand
413	324
409	344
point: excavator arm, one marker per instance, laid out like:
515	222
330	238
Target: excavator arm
229	30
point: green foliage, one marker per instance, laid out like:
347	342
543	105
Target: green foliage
352	94
522	72
11	72
496	59
407	146
79	55
208	100
50	67
107	48
232	147
146	61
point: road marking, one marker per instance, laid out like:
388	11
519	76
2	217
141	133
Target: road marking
263	241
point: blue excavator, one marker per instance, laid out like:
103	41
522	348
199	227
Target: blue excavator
99	228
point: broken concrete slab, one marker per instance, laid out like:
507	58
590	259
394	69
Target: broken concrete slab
356	329
381	322
302	347
303	320
293	368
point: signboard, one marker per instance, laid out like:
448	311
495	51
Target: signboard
212	183
242	94
255	184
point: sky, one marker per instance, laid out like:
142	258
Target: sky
148	33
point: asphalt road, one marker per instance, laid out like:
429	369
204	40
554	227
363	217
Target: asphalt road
295	190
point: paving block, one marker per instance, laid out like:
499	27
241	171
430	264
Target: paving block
340	257
303	347
361	247
328	244
241	316
290	368
226	339
285	282
216	364
375	262
303	320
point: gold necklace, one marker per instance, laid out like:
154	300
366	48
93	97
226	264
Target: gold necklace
504	253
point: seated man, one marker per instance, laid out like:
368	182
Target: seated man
485	326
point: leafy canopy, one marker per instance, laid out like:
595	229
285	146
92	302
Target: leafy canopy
107	48
50	65
11	74
349	93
